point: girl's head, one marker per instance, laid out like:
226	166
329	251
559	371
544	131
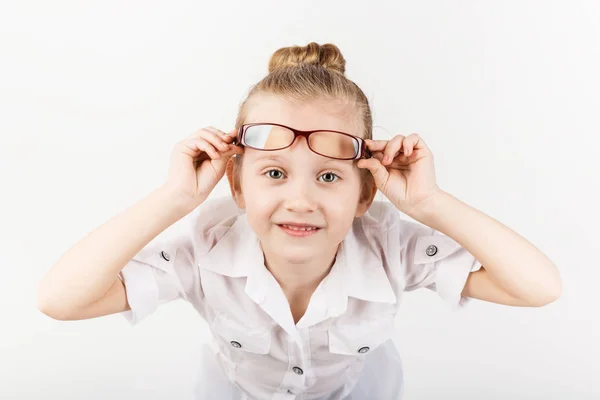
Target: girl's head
306	90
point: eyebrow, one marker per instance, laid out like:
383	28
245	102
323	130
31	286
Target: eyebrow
273	157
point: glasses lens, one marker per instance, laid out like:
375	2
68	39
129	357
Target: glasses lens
335	145
268	137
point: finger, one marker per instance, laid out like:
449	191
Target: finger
199	133
232	133
392	149
201	145
213	131
378	155
214	136
217	140
216	131
233	150
379	172
209	131
376	145
413	142
228	137
231	136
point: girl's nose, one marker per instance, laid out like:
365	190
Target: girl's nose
299	205
299	198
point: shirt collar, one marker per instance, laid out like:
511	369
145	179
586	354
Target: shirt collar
237	253
358	270
364	277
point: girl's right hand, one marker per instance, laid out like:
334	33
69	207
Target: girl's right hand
198	163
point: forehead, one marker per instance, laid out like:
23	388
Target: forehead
305	115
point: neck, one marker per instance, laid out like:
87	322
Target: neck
299	277
299	280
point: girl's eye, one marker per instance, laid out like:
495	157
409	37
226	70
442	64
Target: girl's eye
275	174
329	177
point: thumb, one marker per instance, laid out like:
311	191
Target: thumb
379	172
231	135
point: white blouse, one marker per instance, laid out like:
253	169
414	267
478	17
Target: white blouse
218	267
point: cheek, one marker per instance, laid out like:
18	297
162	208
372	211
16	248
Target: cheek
256	195
248	184
341	206
259	219
350	190
259	206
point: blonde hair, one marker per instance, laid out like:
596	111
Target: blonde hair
310	72
305	73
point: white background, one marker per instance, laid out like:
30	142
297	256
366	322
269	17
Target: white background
93	95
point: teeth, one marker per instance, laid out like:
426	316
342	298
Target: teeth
298	228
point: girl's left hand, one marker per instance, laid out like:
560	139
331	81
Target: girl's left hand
403	170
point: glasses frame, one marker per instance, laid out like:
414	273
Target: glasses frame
363	151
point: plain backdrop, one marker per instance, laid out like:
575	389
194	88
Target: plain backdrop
94	94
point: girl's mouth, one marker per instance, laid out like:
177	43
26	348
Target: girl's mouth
299	230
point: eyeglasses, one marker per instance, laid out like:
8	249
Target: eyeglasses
331	144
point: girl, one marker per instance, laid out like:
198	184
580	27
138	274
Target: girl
300	273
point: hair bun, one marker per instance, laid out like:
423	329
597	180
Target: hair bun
327	56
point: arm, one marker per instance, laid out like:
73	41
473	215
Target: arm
515	273
84	283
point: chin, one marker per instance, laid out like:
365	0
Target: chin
296	253
296	256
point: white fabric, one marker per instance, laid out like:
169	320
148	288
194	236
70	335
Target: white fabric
381	378
218	267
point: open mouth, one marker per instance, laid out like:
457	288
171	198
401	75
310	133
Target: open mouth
299	230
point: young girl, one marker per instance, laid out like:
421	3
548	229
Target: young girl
300	273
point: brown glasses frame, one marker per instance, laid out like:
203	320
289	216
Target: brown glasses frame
363	151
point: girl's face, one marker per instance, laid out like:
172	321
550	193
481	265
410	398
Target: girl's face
284	189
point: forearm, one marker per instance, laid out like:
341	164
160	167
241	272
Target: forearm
514	264
87	270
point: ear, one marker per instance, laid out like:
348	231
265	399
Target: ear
232	169
369	190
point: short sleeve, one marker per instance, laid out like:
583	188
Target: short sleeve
163	271
435	261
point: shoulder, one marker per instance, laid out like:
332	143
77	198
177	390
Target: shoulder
384	219
212	220
391	235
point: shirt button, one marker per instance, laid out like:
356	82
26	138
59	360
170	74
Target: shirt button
431	250
235	344
363	350
165	255
298	370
